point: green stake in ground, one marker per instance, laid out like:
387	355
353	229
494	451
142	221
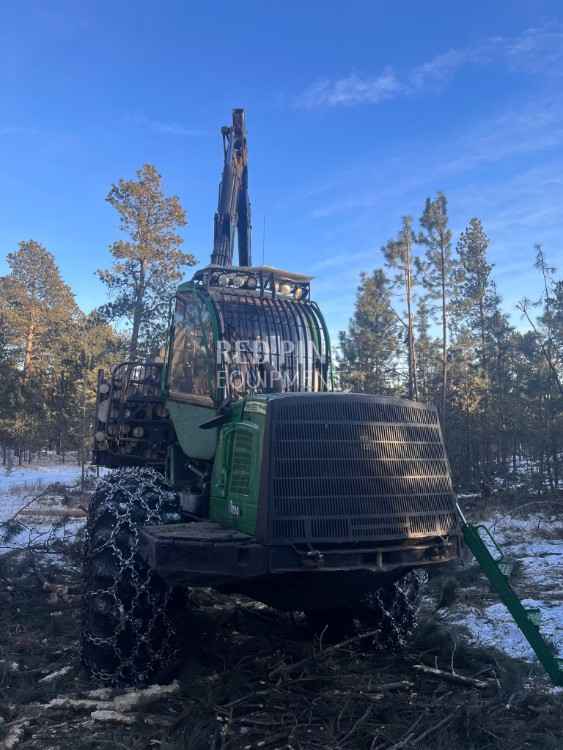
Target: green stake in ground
497	570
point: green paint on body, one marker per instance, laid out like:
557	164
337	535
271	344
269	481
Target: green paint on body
235	482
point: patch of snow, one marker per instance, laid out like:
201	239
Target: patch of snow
41	533
33	475
505	528
495	627
19	485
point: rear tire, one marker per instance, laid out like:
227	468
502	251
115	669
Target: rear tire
130	616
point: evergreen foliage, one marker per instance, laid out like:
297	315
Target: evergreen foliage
49	353
148	265
498	389
369	348
438	272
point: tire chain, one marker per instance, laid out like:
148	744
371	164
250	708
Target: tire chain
395	609
136	601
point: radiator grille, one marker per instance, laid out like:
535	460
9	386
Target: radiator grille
354	468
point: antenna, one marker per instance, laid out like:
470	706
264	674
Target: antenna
263	238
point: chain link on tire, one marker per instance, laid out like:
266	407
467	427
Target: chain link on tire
393	610
130	616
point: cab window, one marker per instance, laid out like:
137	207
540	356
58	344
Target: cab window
192	365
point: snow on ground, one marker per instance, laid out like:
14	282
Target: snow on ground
20	485
538	580
493	626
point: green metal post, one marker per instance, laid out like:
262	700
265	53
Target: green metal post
524	619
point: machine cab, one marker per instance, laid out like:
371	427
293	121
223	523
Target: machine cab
234	332
245	330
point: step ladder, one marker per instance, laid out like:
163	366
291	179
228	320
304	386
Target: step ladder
497	569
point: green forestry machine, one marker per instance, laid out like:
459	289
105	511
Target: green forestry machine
239	467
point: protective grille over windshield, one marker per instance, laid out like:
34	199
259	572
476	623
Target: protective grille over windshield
269	344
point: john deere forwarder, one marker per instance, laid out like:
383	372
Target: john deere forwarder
239	467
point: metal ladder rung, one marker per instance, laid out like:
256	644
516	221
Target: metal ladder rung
506	567
534	615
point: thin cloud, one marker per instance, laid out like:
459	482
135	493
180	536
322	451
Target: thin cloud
535	128
163	127
535	50
351	90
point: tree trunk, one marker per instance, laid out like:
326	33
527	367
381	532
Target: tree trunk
137	315
28	357
413	385
485	436
444	336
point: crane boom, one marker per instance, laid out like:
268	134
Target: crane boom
233	211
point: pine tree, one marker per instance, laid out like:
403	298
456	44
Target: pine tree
38	307
9	389
41	331
427	355
547	331
438	273
369	349
149	264
463	408
399	257
475	303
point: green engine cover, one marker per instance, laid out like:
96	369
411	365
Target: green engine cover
235	482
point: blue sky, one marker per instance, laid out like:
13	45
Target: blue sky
356	112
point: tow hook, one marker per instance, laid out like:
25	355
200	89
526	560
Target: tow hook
436	552
313	559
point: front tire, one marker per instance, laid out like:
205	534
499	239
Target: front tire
393	610
130	616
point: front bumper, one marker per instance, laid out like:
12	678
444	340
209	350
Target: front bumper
206	554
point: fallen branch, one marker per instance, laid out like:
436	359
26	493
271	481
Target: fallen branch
113	717
439	725
405	740
128	701
364	717
15	734
56	675
288	669
452	676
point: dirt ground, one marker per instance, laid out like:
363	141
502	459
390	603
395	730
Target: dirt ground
254	678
